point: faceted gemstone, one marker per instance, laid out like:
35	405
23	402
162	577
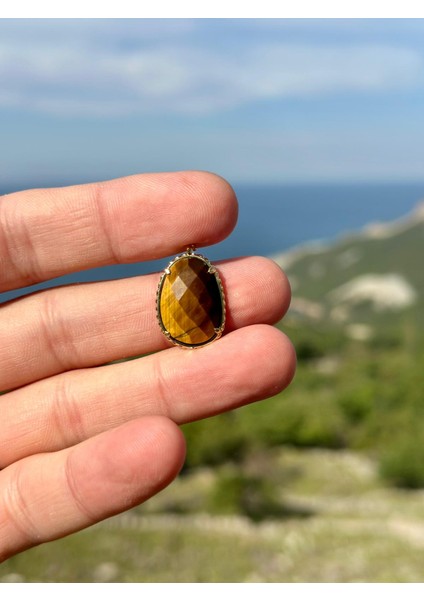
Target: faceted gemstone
190	303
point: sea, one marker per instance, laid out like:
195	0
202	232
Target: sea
276	218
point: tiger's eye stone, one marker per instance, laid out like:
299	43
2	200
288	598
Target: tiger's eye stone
190	302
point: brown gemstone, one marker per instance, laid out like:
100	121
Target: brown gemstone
191	308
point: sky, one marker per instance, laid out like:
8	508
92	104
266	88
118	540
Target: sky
255	100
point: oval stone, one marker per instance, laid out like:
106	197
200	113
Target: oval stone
190	303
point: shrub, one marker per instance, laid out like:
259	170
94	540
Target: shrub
214	441
403	463
238	493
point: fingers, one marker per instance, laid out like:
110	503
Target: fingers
246	365
47	233
101	477
86	325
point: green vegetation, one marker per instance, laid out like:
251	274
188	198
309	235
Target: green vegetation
320	483
363	396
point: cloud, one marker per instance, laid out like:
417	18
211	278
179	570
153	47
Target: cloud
135	72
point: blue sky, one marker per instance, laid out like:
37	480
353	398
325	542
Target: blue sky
256	100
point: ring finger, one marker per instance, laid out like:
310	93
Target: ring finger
246	365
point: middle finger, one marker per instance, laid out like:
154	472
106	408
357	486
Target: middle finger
91	324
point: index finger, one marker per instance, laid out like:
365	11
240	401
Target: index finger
46	233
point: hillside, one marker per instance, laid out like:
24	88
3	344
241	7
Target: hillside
315	484
363	281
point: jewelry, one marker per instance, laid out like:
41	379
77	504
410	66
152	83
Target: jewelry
190	301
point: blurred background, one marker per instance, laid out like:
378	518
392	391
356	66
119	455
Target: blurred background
318	125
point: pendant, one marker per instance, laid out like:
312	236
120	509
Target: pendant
190	301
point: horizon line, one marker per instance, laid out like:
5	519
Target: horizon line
7	187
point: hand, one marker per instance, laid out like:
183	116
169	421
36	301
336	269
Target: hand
80	442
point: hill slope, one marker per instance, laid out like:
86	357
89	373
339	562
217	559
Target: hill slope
372	278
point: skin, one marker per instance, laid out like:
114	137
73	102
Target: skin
80	442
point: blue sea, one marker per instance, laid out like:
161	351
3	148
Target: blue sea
274	218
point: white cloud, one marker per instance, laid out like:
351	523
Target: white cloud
95	74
